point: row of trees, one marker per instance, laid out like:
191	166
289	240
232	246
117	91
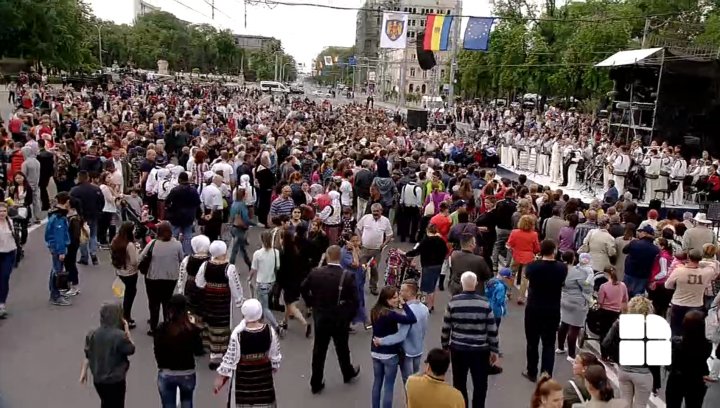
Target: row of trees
63	34
555	55
339	71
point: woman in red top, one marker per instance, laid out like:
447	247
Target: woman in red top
657	292
524	244
442	221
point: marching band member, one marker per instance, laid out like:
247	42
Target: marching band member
652	164
505	148
620	168
556	161
544	158
666	163
611	154
515	148
572	168
677	175
567	159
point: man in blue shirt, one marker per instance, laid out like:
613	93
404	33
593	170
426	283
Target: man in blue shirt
412	336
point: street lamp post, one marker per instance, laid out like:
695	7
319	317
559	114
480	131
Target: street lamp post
99	28
282	71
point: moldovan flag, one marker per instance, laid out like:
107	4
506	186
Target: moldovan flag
393	33
437	32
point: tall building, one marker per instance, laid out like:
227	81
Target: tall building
141	7
367	36
418	81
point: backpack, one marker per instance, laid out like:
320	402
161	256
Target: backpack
496	292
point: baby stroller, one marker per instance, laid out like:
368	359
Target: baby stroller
145	229
594	322
399	268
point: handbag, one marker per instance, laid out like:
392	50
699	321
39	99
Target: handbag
61	279
144	264
238	222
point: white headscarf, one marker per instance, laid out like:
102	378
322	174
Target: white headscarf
200	244
218	248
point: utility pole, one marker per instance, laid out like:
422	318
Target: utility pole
646	31
100	45
403	68
456	44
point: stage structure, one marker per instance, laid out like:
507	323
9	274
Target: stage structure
665	94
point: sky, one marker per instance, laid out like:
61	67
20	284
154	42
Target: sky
304	31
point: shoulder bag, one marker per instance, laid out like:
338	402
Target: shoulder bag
144	264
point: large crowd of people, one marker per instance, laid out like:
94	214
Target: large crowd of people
170	178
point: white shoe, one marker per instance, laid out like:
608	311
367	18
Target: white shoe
571	360
558	351
72	292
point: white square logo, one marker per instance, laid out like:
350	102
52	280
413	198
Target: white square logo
644	340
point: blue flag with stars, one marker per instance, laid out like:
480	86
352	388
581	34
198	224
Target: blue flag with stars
477	33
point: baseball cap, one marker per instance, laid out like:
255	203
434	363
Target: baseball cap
647	229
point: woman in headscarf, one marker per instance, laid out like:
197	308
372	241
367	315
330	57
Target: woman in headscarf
220	284
253	355
189	268
106	355
331	218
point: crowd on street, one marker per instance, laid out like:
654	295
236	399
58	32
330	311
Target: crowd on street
170	178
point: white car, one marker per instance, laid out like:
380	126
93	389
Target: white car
317	92
328	94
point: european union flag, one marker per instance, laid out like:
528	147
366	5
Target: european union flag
477	33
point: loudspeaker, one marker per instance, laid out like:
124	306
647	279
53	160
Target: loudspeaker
417	118
426	59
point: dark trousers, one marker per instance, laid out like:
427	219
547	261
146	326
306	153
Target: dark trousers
677	314
540	327
424	222
571	333
71	263
111	395
263	206
151	201
660	297
689	388
44	196
478	364
130	293
104	228
159	292
328	326
408	220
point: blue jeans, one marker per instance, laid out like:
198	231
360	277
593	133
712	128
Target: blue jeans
410	366
168	385
635	286
263	296
7	261
239	245
187	233
384	373
92	244
57	266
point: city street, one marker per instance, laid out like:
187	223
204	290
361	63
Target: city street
42	347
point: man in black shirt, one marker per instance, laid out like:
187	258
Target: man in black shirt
503	212
331	293
542	313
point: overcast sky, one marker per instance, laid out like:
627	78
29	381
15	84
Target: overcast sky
304	31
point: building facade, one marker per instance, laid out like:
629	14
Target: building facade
140	8
417	81
256	42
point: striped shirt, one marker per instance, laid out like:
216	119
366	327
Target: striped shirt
282	206
469	324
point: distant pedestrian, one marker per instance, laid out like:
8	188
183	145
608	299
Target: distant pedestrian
124	258
57	239
8	248
106	355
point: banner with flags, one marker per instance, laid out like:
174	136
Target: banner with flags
328	60
477	33
437	32
393	33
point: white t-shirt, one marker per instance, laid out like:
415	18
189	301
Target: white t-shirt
211	197
225	169
265	262
346	193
